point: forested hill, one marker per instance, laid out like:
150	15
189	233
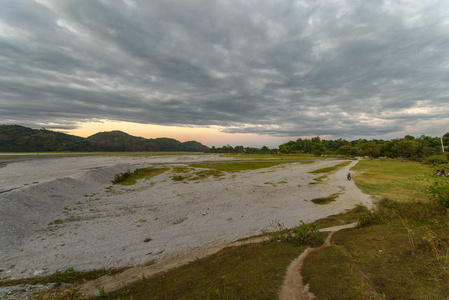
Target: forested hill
16	138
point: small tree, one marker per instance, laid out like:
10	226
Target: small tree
344	150
318	149
370	149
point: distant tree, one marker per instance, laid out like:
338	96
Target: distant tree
344	150
239	149
405	148
370	149
285	149
318	149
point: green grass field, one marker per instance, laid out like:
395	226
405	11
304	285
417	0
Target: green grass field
395	179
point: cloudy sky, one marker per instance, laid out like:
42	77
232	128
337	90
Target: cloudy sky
249	72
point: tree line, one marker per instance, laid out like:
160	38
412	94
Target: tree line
424	147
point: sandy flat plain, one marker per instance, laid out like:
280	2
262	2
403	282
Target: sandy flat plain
57	213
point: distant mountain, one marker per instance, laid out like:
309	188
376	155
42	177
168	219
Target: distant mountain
16	138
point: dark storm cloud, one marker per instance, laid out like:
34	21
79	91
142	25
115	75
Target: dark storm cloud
283	68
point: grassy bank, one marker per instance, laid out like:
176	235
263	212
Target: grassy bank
400	180
253	271
400	251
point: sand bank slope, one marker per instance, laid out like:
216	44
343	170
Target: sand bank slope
75	218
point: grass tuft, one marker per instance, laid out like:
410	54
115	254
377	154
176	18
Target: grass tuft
325	200
130	178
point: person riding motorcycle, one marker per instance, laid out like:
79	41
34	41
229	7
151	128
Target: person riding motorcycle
348	176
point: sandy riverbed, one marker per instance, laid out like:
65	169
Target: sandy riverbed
57	213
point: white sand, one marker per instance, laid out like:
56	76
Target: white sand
157	218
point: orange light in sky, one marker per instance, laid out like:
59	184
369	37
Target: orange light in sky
210	136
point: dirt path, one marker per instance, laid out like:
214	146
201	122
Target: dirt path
293	287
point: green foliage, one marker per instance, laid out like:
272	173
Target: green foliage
439	191
331	169
407	147
304	234
437	159
344	150
388	210
121	177
130	178
238	166
325	200
178	178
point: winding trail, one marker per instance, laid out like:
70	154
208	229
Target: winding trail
293	287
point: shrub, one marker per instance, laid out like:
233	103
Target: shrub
439	192
436	159
304	234
121	177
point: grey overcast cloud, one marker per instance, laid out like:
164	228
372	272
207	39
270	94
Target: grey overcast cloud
350	69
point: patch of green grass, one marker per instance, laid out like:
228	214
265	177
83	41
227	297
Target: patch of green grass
178	178
67	276
331	169
238	166
394	179
255	271
350	216
325	200
130	178
181	169
296	157
203	174
319	179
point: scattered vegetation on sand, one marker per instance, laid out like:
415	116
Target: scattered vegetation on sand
130	178
318	180
331	169
178	178
295	157
192	174
238	166
325	200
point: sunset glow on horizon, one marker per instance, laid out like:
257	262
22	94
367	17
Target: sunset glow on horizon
209	136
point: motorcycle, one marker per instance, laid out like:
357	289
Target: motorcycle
348	176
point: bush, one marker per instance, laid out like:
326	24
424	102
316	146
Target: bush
391	209
439	192
304	234
436	159
121	177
